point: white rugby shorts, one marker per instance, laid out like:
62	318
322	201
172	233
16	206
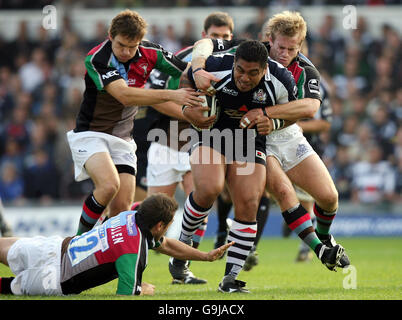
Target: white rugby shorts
166	165
36	265
288	146
85	144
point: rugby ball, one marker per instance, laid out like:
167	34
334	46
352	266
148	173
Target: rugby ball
212	103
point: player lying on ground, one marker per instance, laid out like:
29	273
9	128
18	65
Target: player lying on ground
115	249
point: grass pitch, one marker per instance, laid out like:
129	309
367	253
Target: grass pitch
376	274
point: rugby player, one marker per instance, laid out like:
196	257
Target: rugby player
247	82
117	248
287	149
101	144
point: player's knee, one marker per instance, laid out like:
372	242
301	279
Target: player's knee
110	189
282	192
329	200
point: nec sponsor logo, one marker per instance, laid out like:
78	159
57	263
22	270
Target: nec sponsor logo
110	74
230	91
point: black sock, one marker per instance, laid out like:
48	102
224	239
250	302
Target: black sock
262	217
223	213
5	285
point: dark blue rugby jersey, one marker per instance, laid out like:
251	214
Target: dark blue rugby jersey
276	87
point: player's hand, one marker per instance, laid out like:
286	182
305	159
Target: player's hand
147	289
203	81
264	125
187	96
217	253
249	120
195	115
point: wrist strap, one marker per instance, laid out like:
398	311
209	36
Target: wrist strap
198	69
184	107
278	124
264	112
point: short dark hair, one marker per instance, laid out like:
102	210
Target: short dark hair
219	19
155	208
128	24
252	51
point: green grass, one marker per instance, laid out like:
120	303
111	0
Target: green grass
377	261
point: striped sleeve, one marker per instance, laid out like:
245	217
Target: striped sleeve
98	67
130	276
284	84
166	61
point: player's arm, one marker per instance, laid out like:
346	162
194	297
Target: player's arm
294	110
202	50
130	96
194	115
314	126
182	251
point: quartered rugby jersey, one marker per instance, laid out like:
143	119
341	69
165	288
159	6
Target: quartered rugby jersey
276	87
116	249
102	112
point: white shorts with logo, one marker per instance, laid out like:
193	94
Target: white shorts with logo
35	263
85	144
288	146
166	165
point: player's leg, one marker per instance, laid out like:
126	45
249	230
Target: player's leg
188	187
295	215
105	177
5	229
262	218
313	177
208	170
5	245
224	205
124	198
246	191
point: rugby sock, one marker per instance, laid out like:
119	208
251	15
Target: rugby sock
262	217
243	234
193	217
223	209
5	285
91	211
199	234
324	221
299	221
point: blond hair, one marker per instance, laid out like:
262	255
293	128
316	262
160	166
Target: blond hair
128	24
286	23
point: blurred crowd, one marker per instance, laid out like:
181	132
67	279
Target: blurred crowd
29	4
41	86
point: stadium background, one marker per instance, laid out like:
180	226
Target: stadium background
41	84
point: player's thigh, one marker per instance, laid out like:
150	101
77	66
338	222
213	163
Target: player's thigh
313	177
102	170
279	185
246	190
188	183
168	189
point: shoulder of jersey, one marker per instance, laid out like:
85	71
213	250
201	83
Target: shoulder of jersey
277	70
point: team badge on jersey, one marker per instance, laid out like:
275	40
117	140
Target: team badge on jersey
260	96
